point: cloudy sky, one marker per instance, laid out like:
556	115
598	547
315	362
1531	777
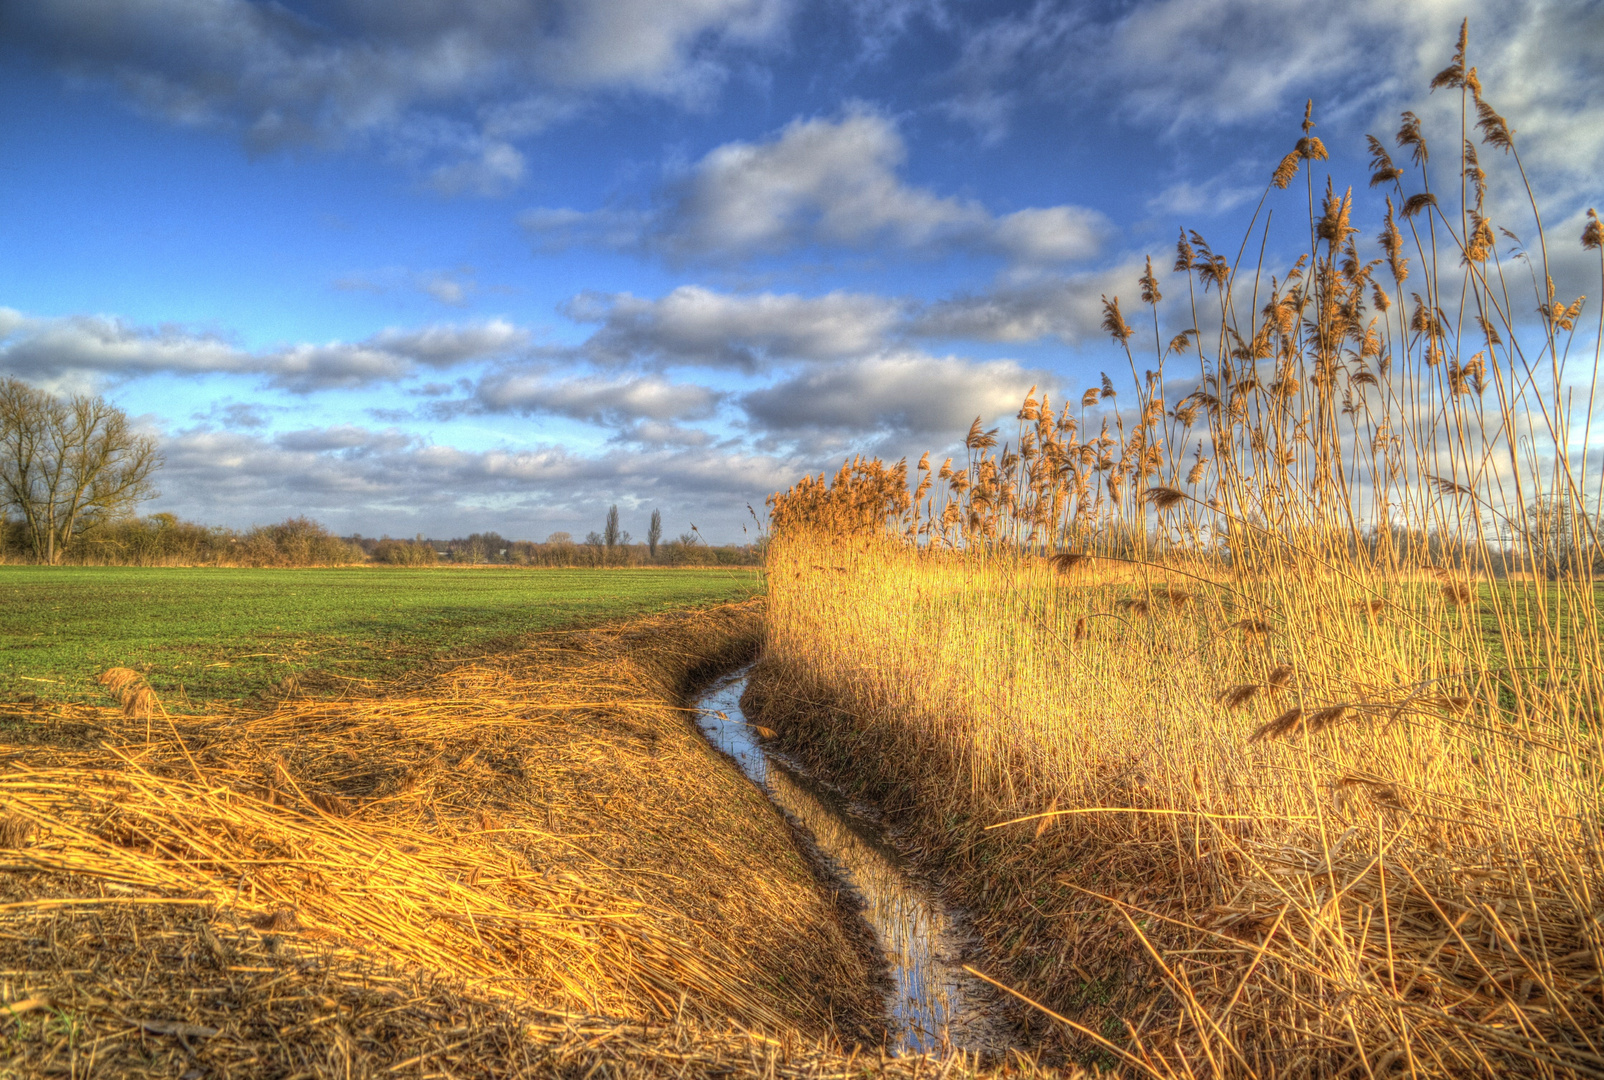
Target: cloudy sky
415	266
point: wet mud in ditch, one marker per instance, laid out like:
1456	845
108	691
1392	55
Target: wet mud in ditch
932	1005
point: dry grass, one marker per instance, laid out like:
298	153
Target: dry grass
503	868
1248	759
1377	878
161	990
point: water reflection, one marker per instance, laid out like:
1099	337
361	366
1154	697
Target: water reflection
934	1002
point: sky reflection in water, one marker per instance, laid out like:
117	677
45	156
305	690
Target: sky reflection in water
933	1000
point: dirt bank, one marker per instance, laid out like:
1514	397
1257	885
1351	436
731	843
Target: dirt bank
1043	938
525	864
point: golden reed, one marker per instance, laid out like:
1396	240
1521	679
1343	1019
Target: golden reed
1291	660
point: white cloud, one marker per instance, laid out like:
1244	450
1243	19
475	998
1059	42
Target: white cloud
303	369
37	348
695	325
98	343
1052	234
897	392
445	289
663	433
1067	308
454	288
651	44
596	399
558	229
1213	196
347	437
823	181
820	182
446	344
357	479
1174	62
496	170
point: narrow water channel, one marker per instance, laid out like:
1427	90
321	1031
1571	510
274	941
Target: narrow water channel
933	1004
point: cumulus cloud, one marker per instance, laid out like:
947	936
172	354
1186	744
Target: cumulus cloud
495	169
304	369
446	344
754	333
34	348
346	437
834	183
596	399
903	392
407	75
355	478
663	433
1215	195
37	347
1067	308
695	325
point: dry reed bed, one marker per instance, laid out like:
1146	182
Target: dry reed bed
162	990
1293	663
539	830
1401	883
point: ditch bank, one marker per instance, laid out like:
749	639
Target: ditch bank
526	864
1021	886
932	1003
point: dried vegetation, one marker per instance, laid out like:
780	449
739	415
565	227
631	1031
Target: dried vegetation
1259	722
524	865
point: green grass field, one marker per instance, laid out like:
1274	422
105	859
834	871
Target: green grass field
218	634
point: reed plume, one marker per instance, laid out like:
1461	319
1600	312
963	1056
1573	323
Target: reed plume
1353	771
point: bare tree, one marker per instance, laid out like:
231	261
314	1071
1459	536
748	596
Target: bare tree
654	532
1557	537
67	464
610	531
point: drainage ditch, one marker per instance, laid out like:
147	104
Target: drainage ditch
933	1005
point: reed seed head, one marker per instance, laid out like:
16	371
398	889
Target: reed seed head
1114	322
1150	293
1286	724
1409	135
1185	258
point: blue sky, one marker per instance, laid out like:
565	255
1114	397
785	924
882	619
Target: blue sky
425	267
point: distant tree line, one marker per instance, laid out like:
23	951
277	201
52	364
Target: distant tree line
73	470
611	546
166	540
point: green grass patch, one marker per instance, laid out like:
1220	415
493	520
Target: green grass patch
206	634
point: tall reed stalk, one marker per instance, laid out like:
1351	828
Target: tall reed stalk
1292	663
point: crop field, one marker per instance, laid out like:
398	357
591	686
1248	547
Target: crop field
201	635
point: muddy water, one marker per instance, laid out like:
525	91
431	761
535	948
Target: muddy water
934	1004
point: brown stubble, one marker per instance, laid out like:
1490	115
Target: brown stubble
541	829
